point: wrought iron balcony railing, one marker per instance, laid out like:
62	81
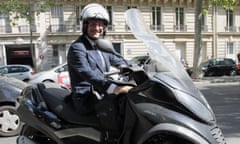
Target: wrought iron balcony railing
157	28
72	28
230	28
180	28
26	28
5	29
204	28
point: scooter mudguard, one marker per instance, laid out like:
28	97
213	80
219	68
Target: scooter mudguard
178	124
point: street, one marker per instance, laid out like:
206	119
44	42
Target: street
224	99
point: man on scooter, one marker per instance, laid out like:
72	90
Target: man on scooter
87	63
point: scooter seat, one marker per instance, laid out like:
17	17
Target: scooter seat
56	103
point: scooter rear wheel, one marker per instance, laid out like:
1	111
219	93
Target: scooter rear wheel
10	123
29	135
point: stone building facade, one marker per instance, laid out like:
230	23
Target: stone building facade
171	20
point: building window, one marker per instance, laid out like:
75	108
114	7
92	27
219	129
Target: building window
110	25
180	20
55	55
57	12
117	47
4	23
156	19
55	51
230	48
230	21
78	18
204	22
57	19
129	7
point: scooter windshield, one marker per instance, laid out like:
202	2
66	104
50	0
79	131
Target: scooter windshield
165	62
167	69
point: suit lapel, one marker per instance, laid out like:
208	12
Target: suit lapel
107	64
93	53
96	57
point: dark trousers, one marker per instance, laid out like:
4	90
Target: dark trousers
84	104
110	112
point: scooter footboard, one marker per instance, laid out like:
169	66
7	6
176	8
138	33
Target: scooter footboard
180	134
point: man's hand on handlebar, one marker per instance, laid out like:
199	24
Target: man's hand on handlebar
122	89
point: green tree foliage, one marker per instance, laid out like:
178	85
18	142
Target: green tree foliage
26	10
18	9
227	4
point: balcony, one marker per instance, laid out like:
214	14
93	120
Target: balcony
5	29
230	29
78	28
64	28
127	28
111	28
157	28
180	28
61	28
154	28
204	28
71	28
25	28
57	28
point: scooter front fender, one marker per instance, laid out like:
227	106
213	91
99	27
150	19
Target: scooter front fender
175	130
165	120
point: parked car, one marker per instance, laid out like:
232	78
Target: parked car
58	74
64	79
140	60
10	89
238	68
21	72
238	63
219	67
143	61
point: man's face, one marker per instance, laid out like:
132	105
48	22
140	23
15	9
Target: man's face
95	28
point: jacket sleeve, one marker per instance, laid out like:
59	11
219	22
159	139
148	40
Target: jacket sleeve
116	61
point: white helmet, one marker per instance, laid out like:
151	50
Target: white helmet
95	11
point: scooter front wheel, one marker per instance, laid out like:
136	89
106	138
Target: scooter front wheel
166	139
29	135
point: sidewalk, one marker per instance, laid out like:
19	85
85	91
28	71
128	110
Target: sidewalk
220	79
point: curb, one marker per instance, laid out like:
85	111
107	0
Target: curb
223	79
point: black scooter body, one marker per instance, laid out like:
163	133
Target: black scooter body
164	108
152	110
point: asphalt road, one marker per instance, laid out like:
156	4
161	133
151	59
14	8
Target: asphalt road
224	98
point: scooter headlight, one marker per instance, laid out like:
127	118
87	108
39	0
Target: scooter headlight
195	106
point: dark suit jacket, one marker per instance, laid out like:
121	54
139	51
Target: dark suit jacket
85	70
